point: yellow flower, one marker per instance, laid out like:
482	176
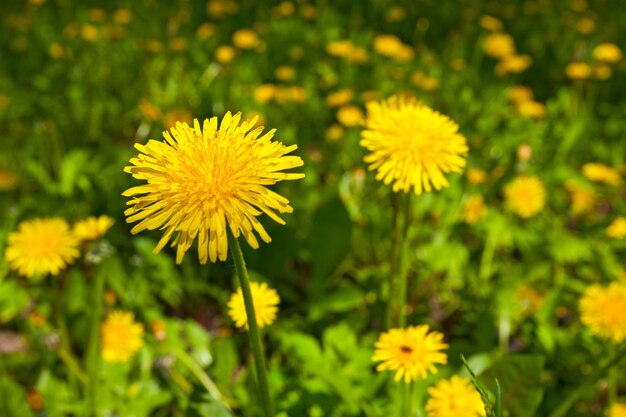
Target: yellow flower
586	25
265	300
578	70
350	116
618	410
89	33
454	397
603	311
607	52
520	94
412	352
92	228
499	45
339	98
334	132
264	93
582	199
391	46
601	173
122	16
177	115
474	209
285	73
205	31
617	228
531	109
412	145
224	54
8	179
201	180
149	110
476	176
513	64
122	337
245	39
41	246
602	71
491	23
525	196
341	48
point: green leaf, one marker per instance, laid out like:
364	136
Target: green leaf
13	399
13	300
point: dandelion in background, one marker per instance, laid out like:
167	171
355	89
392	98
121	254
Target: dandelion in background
607	52
412	145
121	337
499	45
454	397
265	300
618	410
412	352
473	209
603	311
617	228
601	173
41	246
578	70
201	181
525	196
92	228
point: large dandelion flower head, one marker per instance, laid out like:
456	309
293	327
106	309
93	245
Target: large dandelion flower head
92	228
265	300
454	397
204	179
603	311
525	196
41	246
618	410
412	352
412	145
121	336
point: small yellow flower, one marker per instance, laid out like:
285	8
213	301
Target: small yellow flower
339	98
412	145
122	337
203	181
601	173
90	33
178	44
491	23
603	311
41	246
530	299
391	46
607	52
499	45
586	25
350	116
601	71
473	209
8	179
264	93
335	132
454	397
520	94
617	228
476	176
578	70
92	228
205	31
412	352
265	300
582	199
513	64
341	48
245	39
122	16
285	73
618	410
525	196
225	54
532	109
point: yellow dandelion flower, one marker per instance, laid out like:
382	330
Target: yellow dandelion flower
491	23
602	71
264	93
341	48
412	352
350	116
601	173
205	31
339	98
265	300
41	246
617	228
285	73
476	176
89	33
412	145
473	209
530	300
520	94
335	132
454	397
618	410
582	199
8	179
586	25
92	228
388	45
121	336
499	45
531	109
578	70
525	196
245	39
225	54
122	16
603	311
201	180
607	52
513	64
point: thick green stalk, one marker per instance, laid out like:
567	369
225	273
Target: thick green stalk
403	262
253	330
92	364
393	261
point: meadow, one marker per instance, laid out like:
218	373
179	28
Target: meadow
294	208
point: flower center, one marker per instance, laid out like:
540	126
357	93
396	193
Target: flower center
406	349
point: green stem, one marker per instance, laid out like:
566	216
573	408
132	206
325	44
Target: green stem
584	386
253	331
393	259
613	379
404	399
199	373
403	273
93	349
